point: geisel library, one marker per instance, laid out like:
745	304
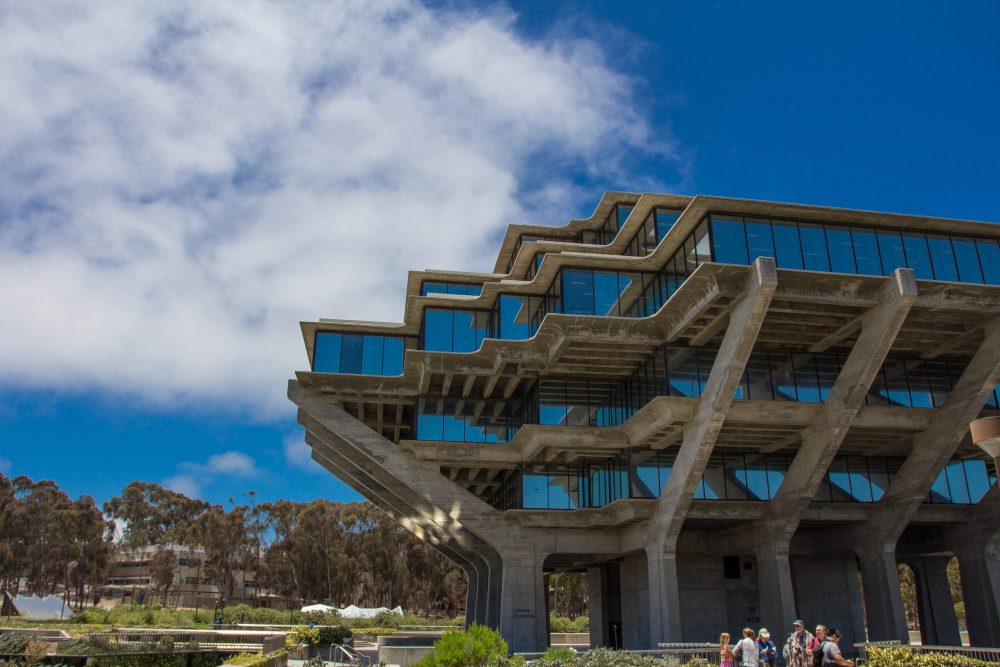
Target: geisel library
726	412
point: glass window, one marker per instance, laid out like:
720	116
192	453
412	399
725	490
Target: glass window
758	378
940	493
806	386
736	475
464	332
371	361
989	259
605	293
714	480
782	376
514	320
535	491
956	482
939	382
664	222
729	240
433	288
918	257
968	260
577	292
392	358
623	212
437	330
814	253
351	350
977	479
702	244
919	384
756	478
942	257
890	246
326	355
759	240
430	423
838	241
866	251
861	489
827	370
786	245
878	475
840	480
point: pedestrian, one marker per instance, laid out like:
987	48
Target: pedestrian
745	652
766	649
725	653
796	651
819	638
831	652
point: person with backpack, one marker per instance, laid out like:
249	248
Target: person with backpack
745	652
831	652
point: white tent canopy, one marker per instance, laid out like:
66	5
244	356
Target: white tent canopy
325	608
364	612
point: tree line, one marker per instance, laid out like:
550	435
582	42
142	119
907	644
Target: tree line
319	551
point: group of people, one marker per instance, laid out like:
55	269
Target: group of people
802	649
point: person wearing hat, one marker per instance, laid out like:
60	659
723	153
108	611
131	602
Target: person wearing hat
766	649
796	651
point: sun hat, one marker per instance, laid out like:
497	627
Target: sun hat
764	633
799	622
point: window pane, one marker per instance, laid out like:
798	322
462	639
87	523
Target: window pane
326	356
392	358
989	257
605	293
840	481
437	330
664	222
777	466
759	240
956	482
917	256
814	253
715	480
968	261
786	246
890	245
702	245
878	475
861	489
838	240
866	252
939	489
578	292
827	370
940	382
463	332
805	378
736	477
535	491
729	240
978	480
782	377
756	478
371	361
514	321
429	422
920	389
942	258
896	389
623	213
350	353
433	288
758	378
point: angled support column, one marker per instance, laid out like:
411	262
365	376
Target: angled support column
775	592
933	448
938	623
883	601
978	554
746	317
523	622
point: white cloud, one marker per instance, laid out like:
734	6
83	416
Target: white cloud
194	475
185	484
181	183
297	453
5	465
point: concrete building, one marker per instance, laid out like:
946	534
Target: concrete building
727	412
130	582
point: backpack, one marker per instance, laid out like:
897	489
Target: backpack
818	653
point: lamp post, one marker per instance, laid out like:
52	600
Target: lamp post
986	435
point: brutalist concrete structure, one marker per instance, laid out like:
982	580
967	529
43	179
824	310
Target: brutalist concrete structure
726	412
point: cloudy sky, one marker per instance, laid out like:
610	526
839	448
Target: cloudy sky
181	183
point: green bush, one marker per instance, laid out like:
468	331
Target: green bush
318	636
13	642
902	656
478	646
564	624
558	654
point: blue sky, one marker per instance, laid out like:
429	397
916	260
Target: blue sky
181	183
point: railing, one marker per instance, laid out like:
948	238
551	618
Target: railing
220	640
683	652
350	656
986	654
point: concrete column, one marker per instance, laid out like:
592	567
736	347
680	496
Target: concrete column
883	601
522	601
597	601
635	601
775	590
979	568
938	623
664	596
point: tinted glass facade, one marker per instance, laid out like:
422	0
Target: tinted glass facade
854	249
359	353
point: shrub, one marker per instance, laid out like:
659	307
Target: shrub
564	624
478	646
902	656
558	654
13	642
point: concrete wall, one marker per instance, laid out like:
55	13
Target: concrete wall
827	592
